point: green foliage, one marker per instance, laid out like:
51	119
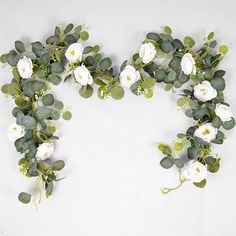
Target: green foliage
48	100
86	91
24	197
189	42
201	184
105	63
167	162
58	165
67	115
19	46
117	92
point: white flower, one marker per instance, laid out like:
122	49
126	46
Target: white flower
195	171
188	64
25	67
147	52
204	91
206	132
45	150
15	132
74	52
224	112
129	76
82	75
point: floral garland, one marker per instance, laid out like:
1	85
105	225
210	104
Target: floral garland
161	58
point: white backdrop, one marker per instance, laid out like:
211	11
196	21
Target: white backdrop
112	163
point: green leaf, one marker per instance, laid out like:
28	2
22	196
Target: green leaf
211	36
59	105
201	184
19	46
189	42
48	100
55	79
24	197
31	87
217	122
192	153
49	189
44	59
218	84
58	165
179	163
44	112
3	58
162	148
168	87
70	39
171	76
166	46
167	162
41	74
178	146
14	88
28	122
86	91
55	115
181	102
19	101
57	67
117	92
87	50
84	35
67	115
51	129
105	63
167	30
227	125
223	49
153	36
68	28
148	83
148	93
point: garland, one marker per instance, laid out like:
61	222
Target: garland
161	59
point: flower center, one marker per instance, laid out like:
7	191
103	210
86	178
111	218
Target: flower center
203	91
198	170
14	129
23	69
128	78
46	154
206	131
72	52
81	77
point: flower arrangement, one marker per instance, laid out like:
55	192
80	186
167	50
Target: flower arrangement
161	59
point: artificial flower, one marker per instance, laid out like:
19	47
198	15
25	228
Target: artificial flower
188	64
224	112
147	52
82	75
204	91
15	132
129	76
206	132
45	150
74	52
25	67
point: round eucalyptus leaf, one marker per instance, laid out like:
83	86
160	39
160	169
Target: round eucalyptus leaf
227	125
58	165
84	35
24	197
117	92
86	91
167	162
48	100
105	63
19	46
67	115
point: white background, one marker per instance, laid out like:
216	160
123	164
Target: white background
113	177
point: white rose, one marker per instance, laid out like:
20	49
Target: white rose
147	52
45	150
25	67
15	132
74	52
195	171
206	132
188	64
204	91
82	75
129	76
224	112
